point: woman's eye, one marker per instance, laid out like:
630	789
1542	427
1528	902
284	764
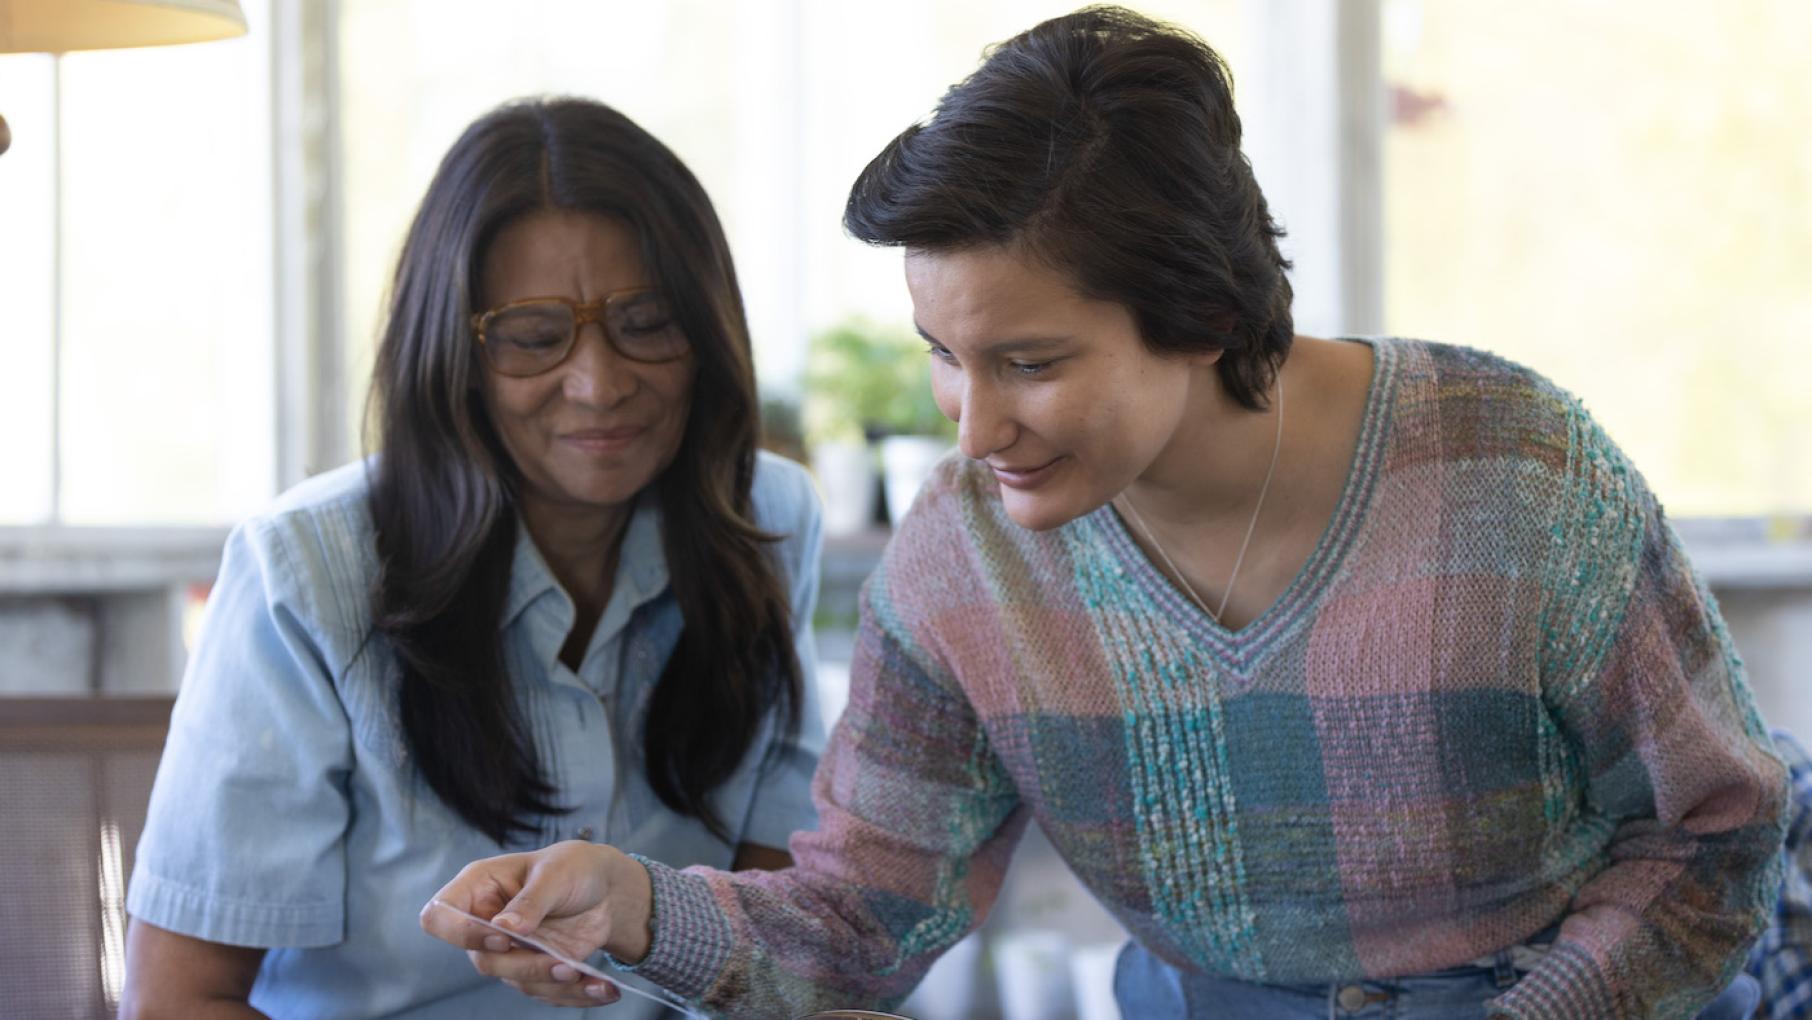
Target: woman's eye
1030	367
940	352
533	341
647	328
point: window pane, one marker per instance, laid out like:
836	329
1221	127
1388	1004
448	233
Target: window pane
25	285
167	305
414	73
1622	200
775	104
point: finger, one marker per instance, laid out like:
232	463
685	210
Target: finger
602	992
521	965
565	994
448	926
530	906
481	889
590	992
533	992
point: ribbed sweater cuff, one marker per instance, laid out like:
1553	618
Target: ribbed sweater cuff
691	937
1566	985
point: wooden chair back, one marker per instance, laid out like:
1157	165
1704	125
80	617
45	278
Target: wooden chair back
75	779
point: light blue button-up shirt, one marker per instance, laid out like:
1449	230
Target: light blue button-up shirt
286	813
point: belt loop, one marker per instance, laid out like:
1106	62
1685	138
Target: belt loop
1502	969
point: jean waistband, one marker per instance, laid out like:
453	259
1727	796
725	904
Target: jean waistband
1524	955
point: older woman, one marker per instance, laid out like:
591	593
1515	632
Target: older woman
1356	677
568	599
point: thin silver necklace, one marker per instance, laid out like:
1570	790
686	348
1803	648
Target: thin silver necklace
1276	445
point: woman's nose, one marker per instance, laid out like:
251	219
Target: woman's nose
595	374
982	427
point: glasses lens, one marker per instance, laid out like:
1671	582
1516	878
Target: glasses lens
529	338
643	327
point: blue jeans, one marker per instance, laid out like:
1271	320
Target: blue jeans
1147	988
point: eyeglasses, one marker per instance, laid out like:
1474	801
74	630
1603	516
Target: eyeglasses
536	335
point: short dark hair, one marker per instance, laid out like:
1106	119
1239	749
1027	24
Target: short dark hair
1104	144
443	492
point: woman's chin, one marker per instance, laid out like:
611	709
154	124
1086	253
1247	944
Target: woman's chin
596	491
1041	511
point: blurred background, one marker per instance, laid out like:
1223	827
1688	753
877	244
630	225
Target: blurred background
195	243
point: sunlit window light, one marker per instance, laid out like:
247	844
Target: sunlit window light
112	886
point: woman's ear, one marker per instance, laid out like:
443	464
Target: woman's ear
1219	327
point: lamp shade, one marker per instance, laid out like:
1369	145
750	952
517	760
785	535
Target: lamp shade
59	26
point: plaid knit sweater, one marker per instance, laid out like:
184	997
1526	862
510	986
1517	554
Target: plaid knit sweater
1495	696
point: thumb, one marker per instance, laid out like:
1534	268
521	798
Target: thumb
528	908
548	887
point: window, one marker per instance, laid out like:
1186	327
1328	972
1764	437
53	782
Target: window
1621	199
26	391
775	104
1613	200
138	365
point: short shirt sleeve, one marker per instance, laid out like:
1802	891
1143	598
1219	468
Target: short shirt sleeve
786	504
243	841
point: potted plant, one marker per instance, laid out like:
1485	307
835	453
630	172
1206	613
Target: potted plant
866	384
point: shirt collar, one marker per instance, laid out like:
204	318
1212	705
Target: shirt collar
641	566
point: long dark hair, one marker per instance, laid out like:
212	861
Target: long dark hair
442	491
1106	145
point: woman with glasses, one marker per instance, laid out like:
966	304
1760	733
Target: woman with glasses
1358	678
567	599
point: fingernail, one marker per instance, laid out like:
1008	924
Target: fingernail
507	920
561	972
497	943
602	992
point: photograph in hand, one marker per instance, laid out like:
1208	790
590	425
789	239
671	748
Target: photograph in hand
586	969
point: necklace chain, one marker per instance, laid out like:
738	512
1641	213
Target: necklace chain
1227	593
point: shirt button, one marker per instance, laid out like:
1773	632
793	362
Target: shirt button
1352	998
585	833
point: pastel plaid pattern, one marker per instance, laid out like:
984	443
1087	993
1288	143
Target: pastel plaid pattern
1495	695
1782	958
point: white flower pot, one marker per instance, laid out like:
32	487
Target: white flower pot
906	461
1092	975
845	474
1033	969
951	989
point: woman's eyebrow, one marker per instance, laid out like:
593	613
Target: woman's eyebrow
1029	345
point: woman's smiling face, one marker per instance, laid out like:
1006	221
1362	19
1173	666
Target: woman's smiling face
598	427
1055	391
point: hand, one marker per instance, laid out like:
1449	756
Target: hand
576	896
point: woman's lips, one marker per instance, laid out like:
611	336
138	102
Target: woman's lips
1022	477
603	440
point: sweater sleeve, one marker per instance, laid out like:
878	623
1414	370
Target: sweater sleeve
1658	721
917	822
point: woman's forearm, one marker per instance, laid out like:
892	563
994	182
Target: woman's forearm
172	975
204	1009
